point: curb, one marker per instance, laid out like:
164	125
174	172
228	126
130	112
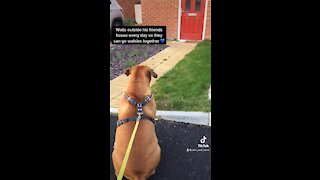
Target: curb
194	117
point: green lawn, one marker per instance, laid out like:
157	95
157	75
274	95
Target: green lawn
185	87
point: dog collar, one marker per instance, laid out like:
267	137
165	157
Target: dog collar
139	110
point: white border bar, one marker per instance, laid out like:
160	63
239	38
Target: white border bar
179	20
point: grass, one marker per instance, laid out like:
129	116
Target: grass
185	87
129	63
120	55
133	53
132	56
130	22
136	53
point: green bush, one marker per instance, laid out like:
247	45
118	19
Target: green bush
130	22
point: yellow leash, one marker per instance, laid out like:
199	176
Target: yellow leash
126	157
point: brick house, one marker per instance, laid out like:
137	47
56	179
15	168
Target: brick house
185	19
128	8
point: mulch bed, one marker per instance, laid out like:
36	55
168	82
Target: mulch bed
124	56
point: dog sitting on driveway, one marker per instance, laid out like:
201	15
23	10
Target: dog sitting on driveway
145	153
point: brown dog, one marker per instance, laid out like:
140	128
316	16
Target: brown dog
145	153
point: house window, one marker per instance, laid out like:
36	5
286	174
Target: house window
198	3
187	5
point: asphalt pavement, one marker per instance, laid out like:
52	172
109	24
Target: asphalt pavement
185	150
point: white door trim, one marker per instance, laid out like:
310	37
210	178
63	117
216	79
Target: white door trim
179	20
204	21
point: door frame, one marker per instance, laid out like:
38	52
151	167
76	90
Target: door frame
204	21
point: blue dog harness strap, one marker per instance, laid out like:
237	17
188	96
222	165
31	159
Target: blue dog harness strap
119	123
139	110
134	102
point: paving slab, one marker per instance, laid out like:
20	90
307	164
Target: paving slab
115	90
119	80
120	95
114	102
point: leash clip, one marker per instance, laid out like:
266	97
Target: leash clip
139	116
139	112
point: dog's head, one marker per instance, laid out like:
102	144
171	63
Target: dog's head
140	70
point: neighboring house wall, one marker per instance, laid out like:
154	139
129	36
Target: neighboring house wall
165	13
161	13
207	34
128	8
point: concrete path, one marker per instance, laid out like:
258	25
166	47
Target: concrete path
162	62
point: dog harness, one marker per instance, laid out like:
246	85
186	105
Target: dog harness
139	110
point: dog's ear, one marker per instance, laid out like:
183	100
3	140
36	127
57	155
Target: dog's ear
153	74
127	72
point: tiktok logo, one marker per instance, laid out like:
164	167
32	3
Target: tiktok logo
203	140
202	146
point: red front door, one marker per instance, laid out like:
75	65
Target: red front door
192	18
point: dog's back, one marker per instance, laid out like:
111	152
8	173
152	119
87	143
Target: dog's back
145	153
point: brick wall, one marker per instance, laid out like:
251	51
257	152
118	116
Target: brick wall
161	13
165	13
128	8
207	34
